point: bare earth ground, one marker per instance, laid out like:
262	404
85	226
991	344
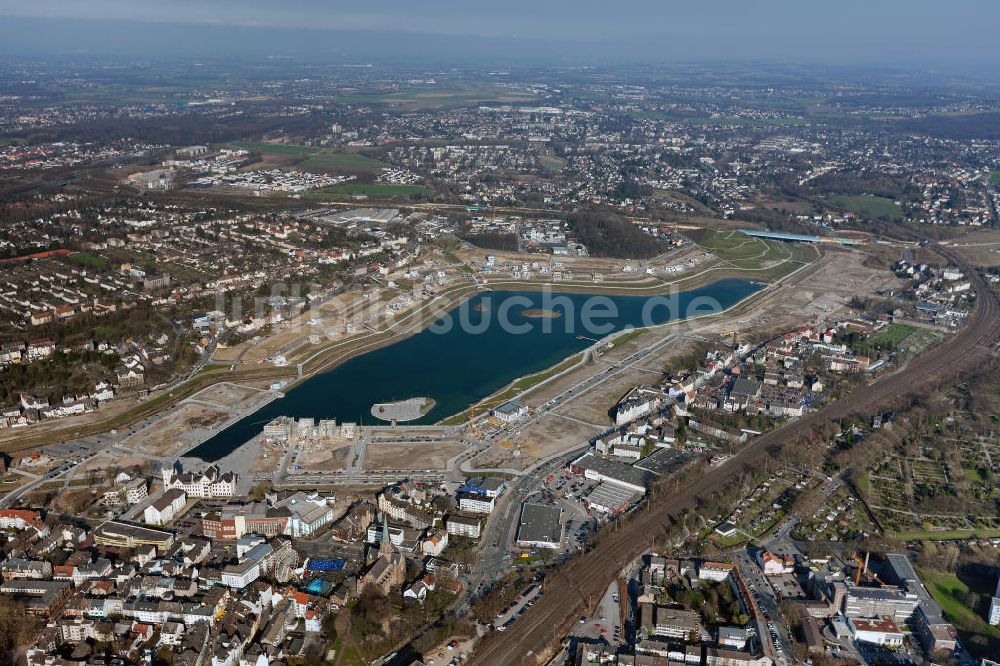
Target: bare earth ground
228	394
981	247
268	457
174	431
107	460
11	482
416	455
325	456
823	290
609	267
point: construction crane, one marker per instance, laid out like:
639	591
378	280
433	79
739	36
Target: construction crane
862	568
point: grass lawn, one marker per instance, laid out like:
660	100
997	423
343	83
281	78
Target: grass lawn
552	163
743	251
892	335
869	206
948	535
730	541
952	594
91	260
628	337
525	383
995	178
973	475
376	190
341	162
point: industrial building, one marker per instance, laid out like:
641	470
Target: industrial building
540	526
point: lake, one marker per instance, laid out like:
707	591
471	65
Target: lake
471	352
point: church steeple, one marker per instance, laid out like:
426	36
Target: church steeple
385	548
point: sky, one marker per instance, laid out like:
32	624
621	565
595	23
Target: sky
921	33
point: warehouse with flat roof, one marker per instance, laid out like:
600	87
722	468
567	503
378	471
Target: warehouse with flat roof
610	497
603	469
540	526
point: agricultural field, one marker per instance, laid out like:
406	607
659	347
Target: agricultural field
869	206
431	97
340	162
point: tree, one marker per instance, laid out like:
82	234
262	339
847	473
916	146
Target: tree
17	629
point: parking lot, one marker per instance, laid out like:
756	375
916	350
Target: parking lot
605	623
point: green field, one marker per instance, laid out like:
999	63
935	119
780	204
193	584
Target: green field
746	253
995	178
91	260
973	475
869	206
552	163
948	535
375	190
892	335
528	381
341	162
277	148
953	595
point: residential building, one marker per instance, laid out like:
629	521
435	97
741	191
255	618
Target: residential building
163	509
467	526
209	484
475	503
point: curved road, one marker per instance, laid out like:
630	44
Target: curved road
575	586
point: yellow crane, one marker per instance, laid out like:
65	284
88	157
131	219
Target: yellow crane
862	568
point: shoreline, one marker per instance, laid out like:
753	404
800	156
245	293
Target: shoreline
323	360
623	331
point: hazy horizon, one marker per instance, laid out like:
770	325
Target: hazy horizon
919	34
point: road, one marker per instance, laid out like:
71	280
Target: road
773	634
576	586
499	532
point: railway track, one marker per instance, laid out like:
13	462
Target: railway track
576	586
